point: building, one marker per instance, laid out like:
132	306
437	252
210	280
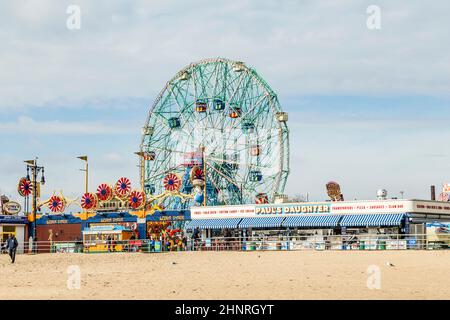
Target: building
320	218
16	225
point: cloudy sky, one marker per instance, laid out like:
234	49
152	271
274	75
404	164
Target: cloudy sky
368	108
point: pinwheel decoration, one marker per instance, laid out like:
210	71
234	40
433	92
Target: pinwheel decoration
261	198
89	201
136	199
104	192
172	182
56	204
196	173
197	178
24	188
123	187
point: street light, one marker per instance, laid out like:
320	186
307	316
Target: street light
35	170
86	170
141	156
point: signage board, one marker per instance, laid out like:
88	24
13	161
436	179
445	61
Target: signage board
294	208
11	207
13	219
222	212
382	206
317	208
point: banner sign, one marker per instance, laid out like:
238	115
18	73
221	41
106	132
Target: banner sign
13	219
338	207
222	212
12	207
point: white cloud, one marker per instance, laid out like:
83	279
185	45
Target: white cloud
130	48
26	125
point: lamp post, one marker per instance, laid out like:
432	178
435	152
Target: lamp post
35	170
86	170
202	149
141	156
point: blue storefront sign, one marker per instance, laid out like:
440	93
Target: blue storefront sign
58	219
169	215
13	219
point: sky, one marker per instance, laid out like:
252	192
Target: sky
369	108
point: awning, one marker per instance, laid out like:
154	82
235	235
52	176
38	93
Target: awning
213	223
372	220
328	221
263	222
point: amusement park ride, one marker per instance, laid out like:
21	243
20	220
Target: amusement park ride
215	135
219	128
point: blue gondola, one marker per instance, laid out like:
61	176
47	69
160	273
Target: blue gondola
248	127
174	122
255	176
219	105
149	188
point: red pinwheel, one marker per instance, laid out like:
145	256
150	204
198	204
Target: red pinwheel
136	199
104	192
123	187
261	198
56	204
196	173
89	201
172	182
24	188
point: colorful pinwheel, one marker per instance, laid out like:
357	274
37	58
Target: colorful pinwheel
261	198
196	173
89	201
172	182
104	192
123	187
136	199
56	204
24	188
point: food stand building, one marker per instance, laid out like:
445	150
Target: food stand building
14	225
321	218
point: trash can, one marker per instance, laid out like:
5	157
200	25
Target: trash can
362	245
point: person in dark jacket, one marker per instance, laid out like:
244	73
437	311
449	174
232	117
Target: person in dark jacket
11	245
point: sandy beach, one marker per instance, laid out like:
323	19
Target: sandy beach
229	275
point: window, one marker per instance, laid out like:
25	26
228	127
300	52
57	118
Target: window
7	230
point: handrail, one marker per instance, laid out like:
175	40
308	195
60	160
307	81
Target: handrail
262	242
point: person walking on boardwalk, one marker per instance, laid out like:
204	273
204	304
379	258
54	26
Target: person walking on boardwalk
11	245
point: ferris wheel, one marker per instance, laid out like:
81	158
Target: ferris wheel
219	127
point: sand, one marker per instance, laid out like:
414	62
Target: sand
230	275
